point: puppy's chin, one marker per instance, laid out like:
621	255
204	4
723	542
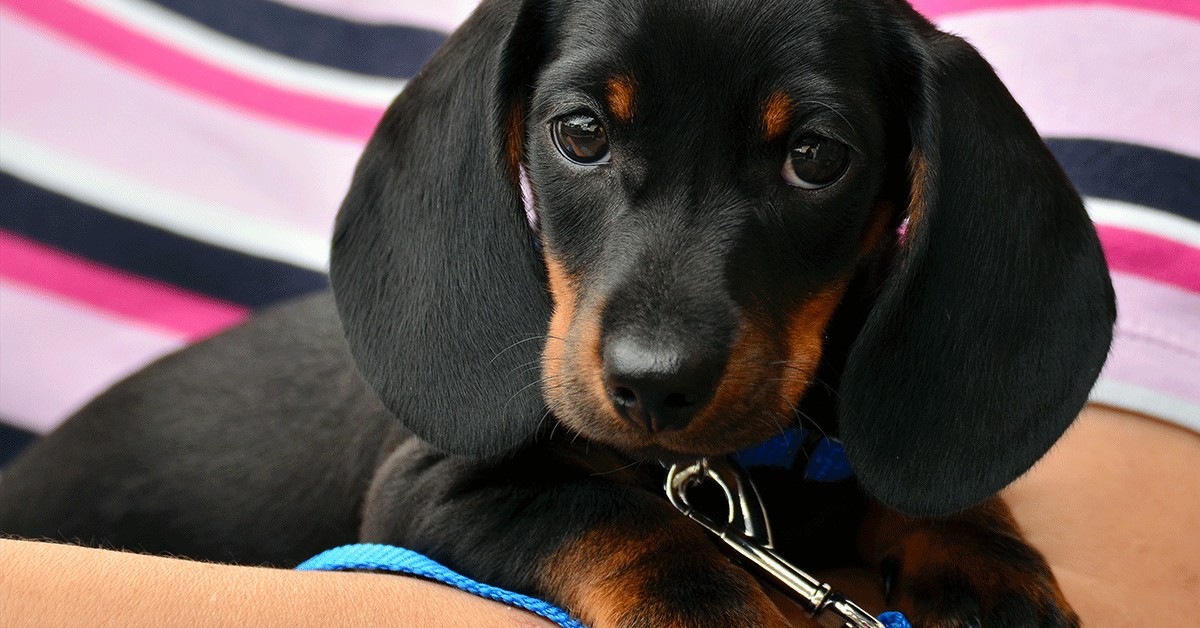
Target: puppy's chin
682	446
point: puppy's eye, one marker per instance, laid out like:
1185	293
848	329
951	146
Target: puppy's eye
581	138
816	162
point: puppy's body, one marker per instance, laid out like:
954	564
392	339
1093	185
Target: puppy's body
256	446
595	235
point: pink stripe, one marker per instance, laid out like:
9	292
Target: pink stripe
1063	67
1157	343
56	355
173	66
940	8
83	107
157	305
1152	257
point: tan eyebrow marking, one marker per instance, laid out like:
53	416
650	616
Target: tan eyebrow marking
776	115
620	97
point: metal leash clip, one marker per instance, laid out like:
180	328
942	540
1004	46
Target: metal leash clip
748	532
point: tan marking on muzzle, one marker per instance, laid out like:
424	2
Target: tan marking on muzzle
806	340
564	293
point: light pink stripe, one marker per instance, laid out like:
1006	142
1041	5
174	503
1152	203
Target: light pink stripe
1165	261
148	302
168	64
55	355
443	15
1157	343
86	109
1104	73
940	8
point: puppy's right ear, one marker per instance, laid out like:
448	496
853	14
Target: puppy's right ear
439	286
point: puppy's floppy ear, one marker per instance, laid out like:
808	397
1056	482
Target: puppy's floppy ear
986	337
437	280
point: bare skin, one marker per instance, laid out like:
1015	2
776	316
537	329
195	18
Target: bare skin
46	584
1115	508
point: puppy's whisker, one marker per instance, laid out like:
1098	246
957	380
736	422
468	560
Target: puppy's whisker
617	470
537	382
803	415
521	342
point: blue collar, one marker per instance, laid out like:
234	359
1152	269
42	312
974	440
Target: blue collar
827	462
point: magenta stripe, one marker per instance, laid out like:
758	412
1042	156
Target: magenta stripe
154	304
939	8
178	68
1152	257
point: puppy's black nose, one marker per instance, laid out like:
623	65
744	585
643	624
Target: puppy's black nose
659	385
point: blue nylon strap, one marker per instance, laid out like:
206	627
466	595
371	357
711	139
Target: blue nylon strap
377	557
397	559
780	451
892	619
826	463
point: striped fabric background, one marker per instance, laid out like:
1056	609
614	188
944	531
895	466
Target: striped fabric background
169	166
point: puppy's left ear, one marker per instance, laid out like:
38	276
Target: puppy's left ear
987	336
439	286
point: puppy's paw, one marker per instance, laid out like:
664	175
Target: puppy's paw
998	582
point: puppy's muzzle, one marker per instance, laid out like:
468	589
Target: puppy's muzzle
659	384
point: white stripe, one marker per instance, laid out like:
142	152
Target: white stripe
1145	219
128	197
1146	401
233	54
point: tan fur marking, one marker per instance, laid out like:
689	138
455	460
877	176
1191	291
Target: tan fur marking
776	115
918	168
621	90
806	339
565	297
607	576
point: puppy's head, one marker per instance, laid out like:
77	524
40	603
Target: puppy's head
642	218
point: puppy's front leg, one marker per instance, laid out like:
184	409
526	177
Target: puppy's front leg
973	568
612	553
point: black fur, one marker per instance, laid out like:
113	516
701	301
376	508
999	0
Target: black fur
954	359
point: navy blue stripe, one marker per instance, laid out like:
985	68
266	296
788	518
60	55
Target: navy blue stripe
374	49
12	441
1132	173
128	245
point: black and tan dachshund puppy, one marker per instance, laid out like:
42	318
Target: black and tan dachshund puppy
593	235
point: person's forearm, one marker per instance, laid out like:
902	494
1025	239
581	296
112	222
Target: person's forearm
61	585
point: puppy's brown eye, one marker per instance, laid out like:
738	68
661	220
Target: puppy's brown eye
581	138
816	162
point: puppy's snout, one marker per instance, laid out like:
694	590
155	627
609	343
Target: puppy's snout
659	385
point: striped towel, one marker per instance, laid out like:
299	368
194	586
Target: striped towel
169	166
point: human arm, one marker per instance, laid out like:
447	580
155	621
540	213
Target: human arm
63	585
